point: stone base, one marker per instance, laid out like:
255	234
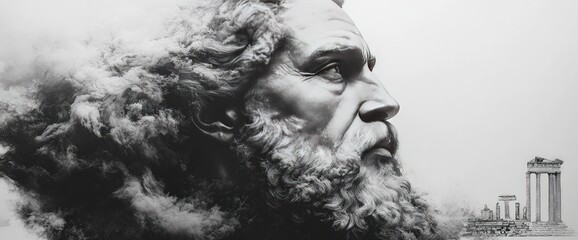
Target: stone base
519	228
503	228
549	229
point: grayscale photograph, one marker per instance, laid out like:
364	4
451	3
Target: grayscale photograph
288	119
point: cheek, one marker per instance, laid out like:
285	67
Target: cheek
317	108
306	100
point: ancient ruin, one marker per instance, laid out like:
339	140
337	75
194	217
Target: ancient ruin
506	199
489	225
539	166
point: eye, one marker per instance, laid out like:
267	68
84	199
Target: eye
331	72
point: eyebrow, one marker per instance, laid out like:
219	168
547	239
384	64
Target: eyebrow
333	50
339	53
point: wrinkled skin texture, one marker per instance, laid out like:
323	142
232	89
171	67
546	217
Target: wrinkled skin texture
248	120
329	152
324	75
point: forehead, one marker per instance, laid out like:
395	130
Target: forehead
319	24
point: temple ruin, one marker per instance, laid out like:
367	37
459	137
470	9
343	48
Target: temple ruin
538	166
521	224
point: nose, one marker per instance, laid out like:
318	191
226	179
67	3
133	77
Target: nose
378	111
379	107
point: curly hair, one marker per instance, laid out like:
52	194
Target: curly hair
109	150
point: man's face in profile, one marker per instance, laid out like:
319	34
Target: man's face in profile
324	74
319	129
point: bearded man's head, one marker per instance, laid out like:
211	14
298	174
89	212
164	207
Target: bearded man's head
251	119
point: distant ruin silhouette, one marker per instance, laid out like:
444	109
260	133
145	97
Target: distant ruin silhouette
489	224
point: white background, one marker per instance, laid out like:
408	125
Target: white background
484	87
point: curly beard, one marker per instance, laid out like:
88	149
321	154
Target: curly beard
311	182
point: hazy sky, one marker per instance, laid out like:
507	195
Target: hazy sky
484	86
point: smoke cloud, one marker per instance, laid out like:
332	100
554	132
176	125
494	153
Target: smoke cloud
95	106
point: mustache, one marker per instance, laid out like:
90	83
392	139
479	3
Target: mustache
370	135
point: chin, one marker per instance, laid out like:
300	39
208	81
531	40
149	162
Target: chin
353	191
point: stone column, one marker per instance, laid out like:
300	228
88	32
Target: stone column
528	198
526	214
507	210
517	211
558	197
498	211
551	197
538	199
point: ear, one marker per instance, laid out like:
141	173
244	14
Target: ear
218	121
